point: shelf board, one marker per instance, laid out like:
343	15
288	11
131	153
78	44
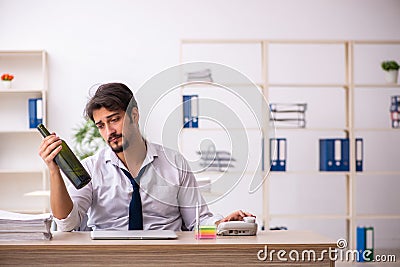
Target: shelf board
21	52
378	216
221	84
15	171
270	41
308	85
31	211
388	173
377	130
308	216
212	174
223	129
377	42
219	41
311	42
312	129
21	91
39	193
377	85
309	173
19	131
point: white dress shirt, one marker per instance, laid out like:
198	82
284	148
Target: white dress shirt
168	191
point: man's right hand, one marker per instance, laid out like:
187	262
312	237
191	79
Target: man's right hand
49	148
60	201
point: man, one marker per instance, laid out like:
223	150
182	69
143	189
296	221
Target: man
168	190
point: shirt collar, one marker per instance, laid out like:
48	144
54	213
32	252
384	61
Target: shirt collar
111	157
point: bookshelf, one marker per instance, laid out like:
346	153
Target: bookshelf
343	76
232	126
381	174
21	169
226	136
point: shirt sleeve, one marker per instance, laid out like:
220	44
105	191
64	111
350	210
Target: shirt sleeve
77	218
72	221
189	196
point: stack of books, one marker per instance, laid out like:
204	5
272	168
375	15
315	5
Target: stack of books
200	76
395	111
334	154
17	226
288	114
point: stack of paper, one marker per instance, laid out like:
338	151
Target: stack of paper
17	226
217	160
288	114
200	76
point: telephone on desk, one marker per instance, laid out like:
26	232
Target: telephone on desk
246	227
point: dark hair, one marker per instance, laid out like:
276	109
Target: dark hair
112	96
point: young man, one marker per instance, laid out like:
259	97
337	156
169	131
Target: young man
168	189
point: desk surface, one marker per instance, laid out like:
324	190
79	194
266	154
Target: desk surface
184	238
76	248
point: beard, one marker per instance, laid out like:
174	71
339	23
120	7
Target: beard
114	144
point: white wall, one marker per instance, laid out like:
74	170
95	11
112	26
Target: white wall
129	41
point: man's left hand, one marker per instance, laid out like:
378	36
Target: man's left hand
235	216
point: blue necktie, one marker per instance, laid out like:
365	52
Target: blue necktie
135	207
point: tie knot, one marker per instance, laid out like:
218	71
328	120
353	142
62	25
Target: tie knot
134	181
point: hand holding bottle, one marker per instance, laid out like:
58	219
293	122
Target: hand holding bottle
56	149
49	149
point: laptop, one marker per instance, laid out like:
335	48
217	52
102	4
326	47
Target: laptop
133	235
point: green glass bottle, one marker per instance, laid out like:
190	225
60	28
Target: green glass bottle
69	163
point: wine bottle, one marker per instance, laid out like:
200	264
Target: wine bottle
69	163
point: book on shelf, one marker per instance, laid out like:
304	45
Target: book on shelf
365	243
19	226
277	154
395	103
190	111
395	120
334	154
395	111
360	242
359	154
35	112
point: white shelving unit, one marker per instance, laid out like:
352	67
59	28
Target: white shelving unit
226	121
376	189
342	76
314	72
21	169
